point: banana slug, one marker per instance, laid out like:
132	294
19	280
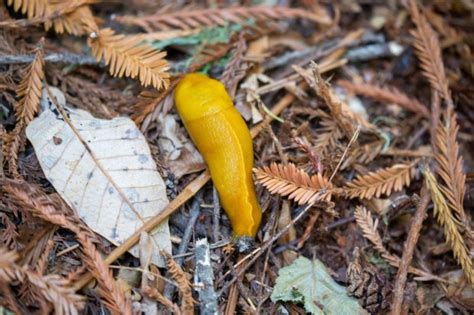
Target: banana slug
222	137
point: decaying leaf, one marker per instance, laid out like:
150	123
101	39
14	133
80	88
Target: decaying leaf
180	154
309	282
103	169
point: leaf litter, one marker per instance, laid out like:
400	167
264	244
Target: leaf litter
361	117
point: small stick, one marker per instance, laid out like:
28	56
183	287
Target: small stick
204	278
215	215
410	243
183	246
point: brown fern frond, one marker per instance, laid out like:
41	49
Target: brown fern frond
73	17
451	226
450	165
287	180
31	8
148	101
8	270
128	56
364	154
386	94
52	288
29	94
191	19
369	229
32	199
382	181
184	287
429	52
236	68
153	293
30	88
57	291
10	233
79	21
327	136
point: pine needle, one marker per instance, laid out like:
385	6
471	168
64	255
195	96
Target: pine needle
287	180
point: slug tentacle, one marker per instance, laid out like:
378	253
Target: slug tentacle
222	137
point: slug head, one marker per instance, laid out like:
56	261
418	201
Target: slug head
198	96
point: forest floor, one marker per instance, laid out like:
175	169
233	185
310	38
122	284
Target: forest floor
361	115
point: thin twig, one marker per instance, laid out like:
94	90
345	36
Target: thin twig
260	250
183	246
413	235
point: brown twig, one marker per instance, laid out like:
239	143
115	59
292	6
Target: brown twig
413	235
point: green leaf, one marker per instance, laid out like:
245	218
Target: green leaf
310	283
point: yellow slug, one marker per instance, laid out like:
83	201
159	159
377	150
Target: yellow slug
222	137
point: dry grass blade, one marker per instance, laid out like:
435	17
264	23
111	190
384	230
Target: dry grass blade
383	181
32	199
429	52
191	19
184	287
451	227
386	94
127	56
287	180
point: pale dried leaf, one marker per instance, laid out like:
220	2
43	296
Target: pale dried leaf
104	170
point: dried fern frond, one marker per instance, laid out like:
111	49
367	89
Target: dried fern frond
327	136
52	288
287	180
29	94
386	94
383	181
184	287
73	17
369	229
153	293
429	52
364	154
29	90
32	199
450	165
127	56
451	226
191	19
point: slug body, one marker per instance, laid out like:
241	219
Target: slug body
222	137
